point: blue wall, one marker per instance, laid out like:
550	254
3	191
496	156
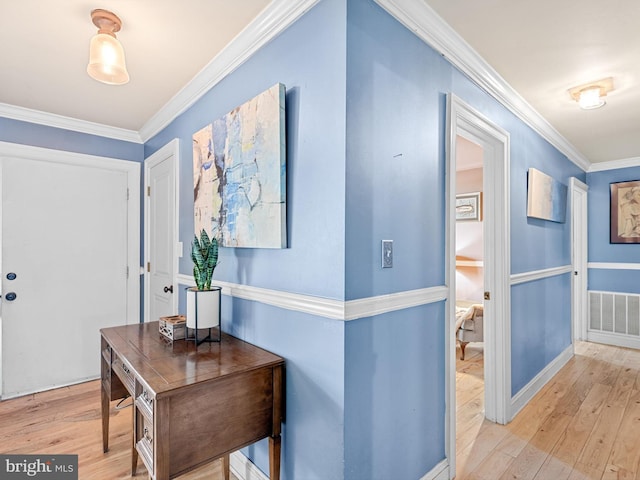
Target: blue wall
396	92
541	327
394	399
24	133
395	363
535	244
309	58
600	250
390	186
395	155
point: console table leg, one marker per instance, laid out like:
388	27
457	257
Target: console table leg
274	458
225	467
134	450
104	400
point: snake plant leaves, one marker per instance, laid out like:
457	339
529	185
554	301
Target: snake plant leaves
204	253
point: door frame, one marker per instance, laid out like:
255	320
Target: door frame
579	258
169	151
465	121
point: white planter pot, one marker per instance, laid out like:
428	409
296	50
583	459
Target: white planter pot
203	307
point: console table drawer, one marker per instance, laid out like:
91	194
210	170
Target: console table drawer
144	440
144	399
124	373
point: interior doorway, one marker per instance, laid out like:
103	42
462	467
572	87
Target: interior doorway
463	121
469	291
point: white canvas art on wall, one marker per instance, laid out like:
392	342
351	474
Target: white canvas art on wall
240	174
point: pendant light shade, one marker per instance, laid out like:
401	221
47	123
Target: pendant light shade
106	55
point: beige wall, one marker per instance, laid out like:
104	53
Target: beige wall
469	235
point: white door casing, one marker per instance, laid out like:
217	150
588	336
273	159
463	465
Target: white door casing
71	236
464	121
161	232
579	255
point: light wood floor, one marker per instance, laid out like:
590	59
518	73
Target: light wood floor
67	421
584	424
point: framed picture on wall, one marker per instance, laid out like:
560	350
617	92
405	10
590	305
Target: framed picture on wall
625	212
469	207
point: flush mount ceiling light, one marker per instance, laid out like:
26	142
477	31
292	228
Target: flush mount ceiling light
591	95
106	55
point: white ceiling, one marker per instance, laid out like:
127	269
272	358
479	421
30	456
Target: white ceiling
540	48
45	51
545	47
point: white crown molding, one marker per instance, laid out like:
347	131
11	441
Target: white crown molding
273	20
615	164
67	123
539	274
421	19
613	266
326	307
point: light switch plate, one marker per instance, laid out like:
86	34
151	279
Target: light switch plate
387	253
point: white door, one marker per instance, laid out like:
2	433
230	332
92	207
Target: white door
579	257
161	233
64	238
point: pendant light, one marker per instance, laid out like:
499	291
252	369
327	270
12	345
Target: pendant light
106	55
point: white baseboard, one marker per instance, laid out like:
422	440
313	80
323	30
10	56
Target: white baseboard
439	472
244	469
613	339
527	392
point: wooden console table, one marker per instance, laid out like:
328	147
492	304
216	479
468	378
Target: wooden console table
191	405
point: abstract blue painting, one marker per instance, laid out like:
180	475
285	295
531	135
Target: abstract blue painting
239	174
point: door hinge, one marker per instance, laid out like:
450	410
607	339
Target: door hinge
148	190
487	295
148	266
127	271
127	194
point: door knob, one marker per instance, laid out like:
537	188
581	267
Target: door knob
168	289
10	297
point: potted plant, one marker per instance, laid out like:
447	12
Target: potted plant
203	301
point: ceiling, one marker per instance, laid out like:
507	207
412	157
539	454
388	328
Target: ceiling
165	43
541	49
545	47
